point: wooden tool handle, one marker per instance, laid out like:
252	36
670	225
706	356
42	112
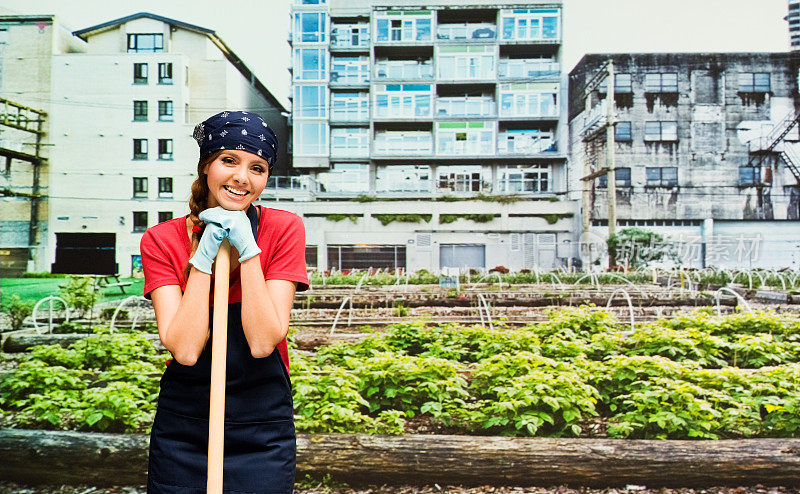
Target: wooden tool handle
219	347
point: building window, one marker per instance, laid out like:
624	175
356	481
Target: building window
310	64
466	63
310	101
139	221
350	142
622	132
349	36
534	178
345	177
350	107
622	175
464	138
165	73
165	111
466	178
749	175
165	187
310	27
139	186
164	216
145	43
622	84
529	100
165	149
462	256
758	82
140	111
140	149
399	25
349	70
662	176
660	131
403	100
140	73
530	24
310	138
661	83
403	178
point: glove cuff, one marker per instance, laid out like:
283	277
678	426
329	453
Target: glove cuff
201	264
249	253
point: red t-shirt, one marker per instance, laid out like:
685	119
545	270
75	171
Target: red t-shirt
165	250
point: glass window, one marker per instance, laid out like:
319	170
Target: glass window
310	27
661	131
165	111
145	43
140	149
139	221
366	256
662	176
534	178
351	107
403	26
165	149
464	139
349	70
345	177
165	186
140	73
403	100
164	216
462	256
350	143
466	178
622	131
661	83
165	73
310	101
622	175
310	64
750	82
530	24
529	100
466	65
139	111
749	175
622	84
139	186
403	178
310	138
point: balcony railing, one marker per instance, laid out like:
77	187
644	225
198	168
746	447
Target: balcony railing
511	68
525	143
462	32
349	40
349	78
407	185
278	186
405	70
466	107
349	115
464	148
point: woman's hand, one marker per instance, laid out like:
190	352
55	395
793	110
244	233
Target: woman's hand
208	247
237	225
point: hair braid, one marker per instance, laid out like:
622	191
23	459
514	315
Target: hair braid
198	202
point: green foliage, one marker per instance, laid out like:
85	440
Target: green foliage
18	311
639	247
477	218
108	313
43	274
80	293
385	219
340	217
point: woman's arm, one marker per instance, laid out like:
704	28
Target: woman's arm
266	306
183	319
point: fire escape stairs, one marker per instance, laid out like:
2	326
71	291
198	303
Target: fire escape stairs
789	156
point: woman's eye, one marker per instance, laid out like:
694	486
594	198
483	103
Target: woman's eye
259	169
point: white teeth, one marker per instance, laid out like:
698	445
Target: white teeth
235	191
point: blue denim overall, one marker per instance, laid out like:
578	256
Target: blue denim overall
259	427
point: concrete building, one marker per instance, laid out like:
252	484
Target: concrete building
706	152
123	101
433	111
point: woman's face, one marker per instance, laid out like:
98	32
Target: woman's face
236	179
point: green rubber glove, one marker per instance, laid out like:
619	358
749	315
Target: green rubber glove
237	224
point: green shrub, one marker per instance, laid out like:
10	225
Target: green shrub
18	311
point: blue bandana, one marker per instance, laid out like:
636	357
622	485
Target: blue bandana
237	130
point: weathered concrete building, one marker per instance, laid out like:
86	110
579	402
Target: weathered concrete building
444	108
706	152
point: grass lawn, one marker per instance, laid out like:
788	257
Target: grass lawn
35	289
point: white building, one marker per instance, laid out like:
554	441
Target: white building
124	103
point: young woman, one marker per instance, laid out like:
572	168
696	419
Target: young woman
237	154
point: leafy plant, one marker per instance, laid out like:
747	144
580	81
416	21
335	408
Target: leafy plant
18	311
80	293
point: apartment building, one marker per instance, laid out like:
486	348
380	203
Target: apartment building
425	113
706	152
122	102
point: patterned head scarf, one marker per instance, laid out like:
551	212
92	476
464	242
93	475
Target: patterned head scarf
237	130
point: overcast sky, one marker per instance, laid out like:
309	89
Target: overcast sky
257	29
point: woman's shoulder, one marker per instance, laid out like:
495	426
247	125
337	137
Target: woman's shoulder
167	231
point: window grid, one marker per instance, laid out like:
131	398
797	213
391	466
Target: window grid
622	132
165	186
165	73
661	131
754	82
165	149
661	83
351	143
145	42
139	221
140	111
405	27
165	111
140	149
534	178
530	24
140	73
622	176
662	176
139	186
164	216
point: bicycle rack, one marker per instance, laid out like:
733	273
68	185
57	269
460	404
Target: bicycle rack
50	299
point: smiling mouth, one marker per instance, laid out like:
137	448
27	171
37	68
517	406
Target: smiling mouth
235	192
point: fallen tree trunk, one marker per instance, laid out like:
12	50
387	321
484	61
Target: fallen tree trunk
32	456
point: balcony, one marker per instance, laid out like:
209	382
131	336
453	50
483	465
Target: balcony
466	32
347	79
408	70
527	68
530	104
464	148
350	37
295	188
402	144
479	107
525	143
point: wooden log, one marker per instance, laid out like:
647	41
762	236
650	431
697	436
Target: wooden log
102	459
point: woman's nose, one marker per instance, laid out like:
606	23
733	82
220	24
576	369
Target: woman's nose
240	175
